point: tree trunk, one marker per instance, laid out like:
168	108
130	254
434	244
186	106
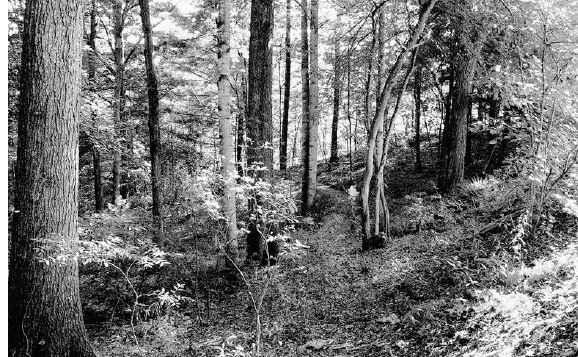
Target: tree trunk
417	100
96	160
241	120
305	106
309	187
119	93
454	155
226	128
334	157
381	220
378	122
153	119
45	313
260	112
287	95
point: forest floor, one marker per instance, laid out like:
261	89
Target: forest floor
442	287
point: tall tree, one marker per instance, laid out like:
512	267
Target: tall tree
45	314
96	159
334	157
259	111
378	122
226	128
305	107
310	74
119	94
153	117
469	46
287	94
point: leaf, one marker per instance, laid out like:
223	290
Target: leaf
389	319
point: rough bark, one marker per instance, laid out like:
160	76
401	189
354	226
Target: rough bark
153	118
378	121
260	112
287	92
455	139
226	128
45	314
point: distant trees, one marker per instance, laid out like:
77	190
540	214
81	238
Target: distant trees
45	313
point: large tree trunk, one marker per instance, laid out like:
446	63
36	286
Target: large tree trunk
260	112
153	116
287	95
334	157
119	97
96	160
226	128
309	183
378	122
455	139
45	314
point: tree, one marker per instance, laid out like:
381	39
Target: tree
45	314
417	101
96	158
119	94
153	117
226	129
287	94
334	158
260	112
310	78
470	42
378	122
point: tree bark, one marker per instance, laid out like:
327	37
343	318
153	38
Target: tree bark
260	112
309	183
229	207
287	94
45	313
153	119
454	155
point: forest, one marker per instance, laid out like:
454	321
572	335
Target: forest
292	178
